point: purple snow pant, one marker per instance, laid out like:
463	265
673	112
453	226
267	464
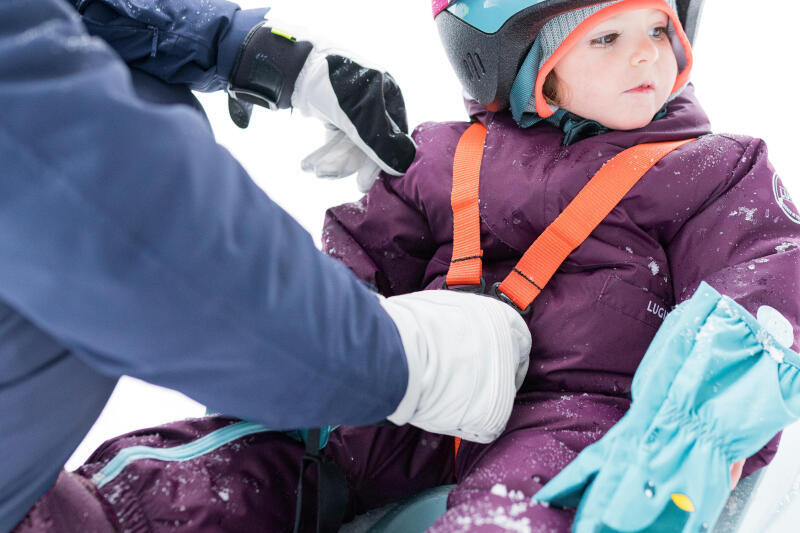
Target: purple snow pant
250	483
247	485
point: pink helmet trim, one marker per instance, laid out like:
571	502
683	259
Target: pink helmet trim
440	5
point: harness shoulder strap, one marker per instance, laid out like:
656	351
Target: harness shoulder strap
466	264
573	226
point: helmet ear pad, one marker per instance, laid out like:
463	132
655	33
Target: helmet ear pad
487	64
480	60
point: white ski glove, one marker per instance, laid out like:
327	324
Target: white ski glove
467	356
340	157
365	114
363	107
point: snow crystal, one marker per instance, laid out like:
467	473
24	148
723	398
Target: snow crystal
709	329
518	508
751	267
748	213
785	246
516	495
653	268
629	249
725	305
116	492
497	517
500	490
224	494
773	351
356	207
508	523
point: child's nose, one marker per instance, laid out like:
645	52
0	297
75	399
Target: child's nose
644	50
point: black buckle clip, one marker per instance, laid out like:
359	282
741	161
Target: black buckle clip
494	292
332	490
472	289
254	97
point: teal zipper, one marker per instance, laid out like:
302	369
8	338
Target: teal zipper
184	452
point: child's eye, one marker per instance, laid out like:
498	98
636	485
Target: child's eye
605	40
660	31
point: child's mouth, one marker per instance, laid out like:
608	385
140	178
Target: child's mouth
643	88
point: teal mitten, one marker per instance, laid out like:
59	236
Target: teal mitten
713	388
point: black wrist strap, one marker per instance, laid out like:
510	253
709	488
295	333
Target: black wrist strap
265	72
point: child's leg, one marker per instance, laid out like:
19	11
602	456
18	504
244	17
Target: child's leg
205	475
496	481
70	506
389	464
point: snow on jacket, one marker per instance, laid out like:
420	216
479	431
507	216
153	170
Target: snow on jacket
713	210
133	244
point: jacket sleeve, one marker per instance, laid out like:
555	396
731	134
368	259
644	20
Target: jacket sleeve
745	242
382	238
189	42
129	235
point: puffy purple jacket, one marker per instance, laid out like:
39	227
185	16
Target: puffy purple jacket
713	210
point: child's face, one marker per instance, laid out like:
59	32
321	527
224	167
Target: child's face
622	72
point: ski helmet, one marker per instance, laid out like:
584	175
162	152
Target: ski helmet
487	41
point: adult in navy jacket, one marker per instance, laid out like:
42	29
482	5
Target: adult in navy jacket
131	243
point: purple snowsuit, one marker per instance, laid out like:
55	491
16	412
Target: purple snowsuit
713	210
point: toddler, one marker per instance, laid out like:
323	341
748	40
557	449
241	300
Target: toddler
597	80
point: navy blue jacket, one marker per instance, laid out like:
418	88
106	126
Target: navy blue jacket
131	243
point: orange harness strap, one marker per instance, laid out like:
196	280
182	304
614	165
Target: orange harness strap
574	225
466	264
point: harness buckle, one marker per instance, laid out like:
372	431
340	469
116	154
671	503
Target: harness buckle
495	292
472	289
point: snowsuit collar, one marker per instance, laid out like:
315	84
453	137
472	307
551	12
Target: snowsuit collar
577	128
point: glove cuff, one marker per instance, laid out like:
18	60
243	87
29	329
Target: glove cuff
416	355
267	67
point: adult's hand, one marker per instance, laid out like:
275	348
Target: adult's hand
467	357
362	107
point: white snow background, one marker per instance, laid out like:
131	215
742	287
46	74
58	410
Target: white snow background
746	57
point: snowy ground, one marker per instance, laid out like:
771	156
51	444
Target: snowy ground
744	77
